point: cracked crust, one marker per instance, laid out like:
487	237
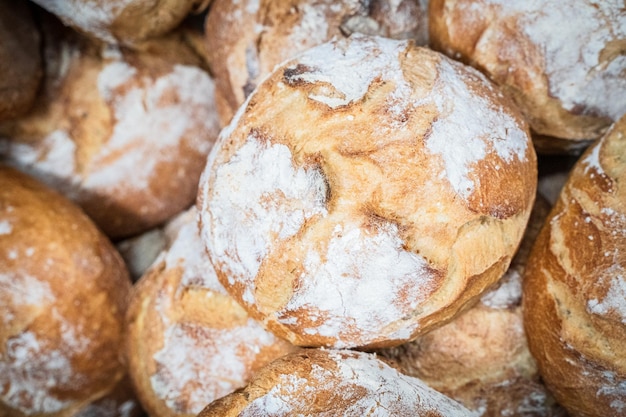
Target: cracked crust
327	382
481	358
364	213
569	83
247	39
575	285
188	342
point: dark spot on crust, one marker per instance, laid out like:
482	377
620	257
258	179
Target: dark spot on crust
291	75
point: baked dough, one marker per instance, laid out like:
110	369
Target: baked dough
575	285
20	58
481	358
365	193
127	22
63	295
333	383
562	62
124	134
247	39
188	341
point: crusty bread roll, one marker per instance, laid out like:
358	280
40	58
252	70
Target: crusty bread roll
122	21
575	285
247	39
123	133
20	58
365	193
188	342
481	358
562	62
316	382
63	295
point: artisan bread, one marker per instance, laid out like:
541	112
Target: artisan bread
63	295
481	358
247	39
575	285
20	58
188	341
124	134
345	383
562	62
127	22
365	193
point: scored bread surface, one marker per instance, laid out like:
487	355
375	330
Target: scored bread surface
368	190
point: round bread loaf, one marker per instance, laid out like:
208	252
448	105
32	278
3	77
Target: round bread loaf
63	295
124	134
366	192
575	285
188	342
562	62
20	59
316	382
481	358
122	21
247	39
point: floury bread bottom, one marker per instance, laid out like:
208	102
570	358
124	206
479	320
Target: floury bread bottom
366	192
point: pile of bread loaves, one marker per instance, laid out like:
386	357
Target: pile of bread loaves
312	208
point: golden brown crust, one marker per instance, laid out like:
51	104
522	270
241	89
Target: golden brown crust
340	383
247	39
64	295
318	178
481	358
574	304
564	81
123	133
124	22
20	59
188	342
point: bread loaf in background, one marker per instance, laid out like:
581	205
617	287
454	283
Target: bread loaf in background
334	383
126	22
366	192
562	63
63	295
124	134
247	39
20	60
575	285
188	342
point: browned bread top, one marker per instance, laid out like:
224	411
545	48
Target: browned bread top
368	190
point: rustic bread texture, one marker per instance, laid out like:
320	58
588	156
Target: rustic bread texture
562	63
367	192
481	358
20	59
123	133
247	39
127	22
63	295
575	285
188	342
333	383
